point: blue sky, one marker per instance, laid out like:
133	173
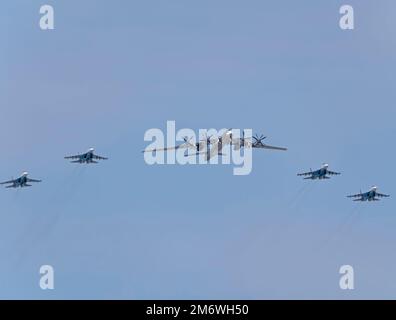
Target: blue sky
124	230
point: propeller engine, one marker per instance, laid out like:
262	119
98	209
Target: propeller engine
259	140
208	140
242	142
187	141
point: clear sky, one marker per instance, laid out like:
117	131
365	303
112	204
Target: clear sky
125	230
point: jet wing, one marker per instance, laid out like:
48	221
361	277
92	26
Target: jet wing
99	157
73	157
332	173
355	195
266	146
381	195
305	174
7	182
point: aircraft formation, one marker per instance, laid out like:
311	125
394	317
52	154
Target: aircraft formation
203	147
324	173
23	181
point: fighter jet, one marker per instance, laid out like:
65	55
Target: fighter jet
87	157
21	182
257	143
320	174
371	195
